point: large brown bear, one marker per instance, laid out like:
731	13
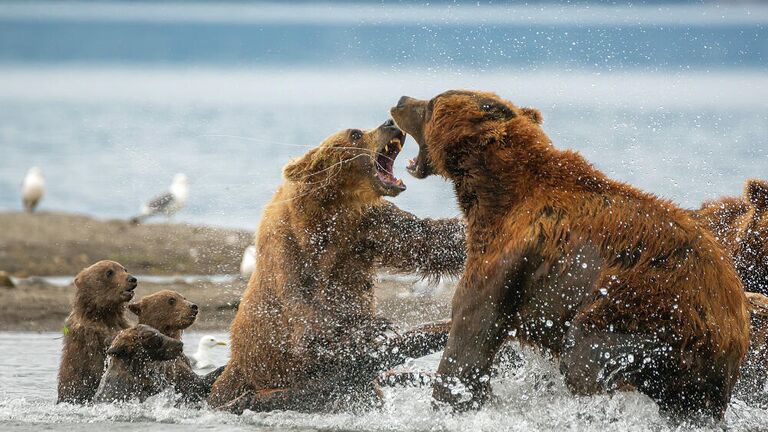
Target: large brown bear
171	313
740	224
306	330
101	293
754	370
623	287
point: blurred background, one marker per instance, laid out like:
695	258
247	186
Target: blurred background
112	98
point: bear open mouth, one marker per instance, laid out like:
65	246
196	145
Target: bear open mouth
129	292
385	161
413	164
419	166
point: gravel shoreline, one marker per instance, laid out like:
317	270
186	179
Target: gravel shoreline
58	244
35	305
48	244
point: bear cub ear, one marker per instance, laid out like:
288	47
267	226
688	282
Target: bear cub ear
533	114
757	194
135	308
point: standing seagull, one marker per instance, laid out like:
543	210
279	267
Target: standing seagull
167	203
201	359
32	189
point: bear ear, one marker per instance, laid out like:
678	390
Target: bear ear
533	114
757	194
495	110
300	169
117	351
135	308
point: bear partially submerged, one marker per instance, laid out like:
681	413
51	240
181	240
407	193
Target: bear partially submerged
306	336
740	224
170	313
626	289
133	365
101	293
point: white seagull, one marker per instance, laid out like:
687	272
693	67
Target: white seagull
32	189
201	359
168	203
248	264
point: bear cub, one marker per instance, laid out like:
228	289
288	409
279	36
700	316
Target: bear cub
101	293
170	313
133	368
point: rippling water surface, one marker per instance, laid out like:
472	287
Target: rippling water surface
532	397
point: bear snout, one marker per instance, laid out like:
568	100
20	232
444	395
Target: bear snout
132	279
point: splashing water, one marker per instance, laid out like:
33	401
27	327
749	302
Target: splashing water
530	396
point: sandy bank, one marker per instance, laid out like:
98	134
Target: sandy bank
62	244
35	305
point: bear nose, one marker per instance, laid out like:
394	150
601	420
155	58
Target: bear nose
194	307
389	122
132	279
403	101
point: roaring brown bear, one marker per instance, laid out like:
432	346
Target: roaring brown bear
626	289
306	335
101	293
170	313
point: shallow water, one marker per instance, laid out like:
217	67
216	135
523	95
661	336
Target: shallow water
532	397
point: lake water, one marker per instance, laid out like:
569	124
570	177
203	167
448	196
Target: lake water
532	397
113	99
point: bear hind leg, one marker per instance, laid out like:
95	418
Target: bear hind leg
690	389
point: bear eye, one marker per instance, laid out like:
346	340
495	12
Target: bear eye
355	134
171	301
110	272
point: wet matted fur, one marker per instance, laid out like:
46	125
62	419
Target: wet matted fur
170	313
134	362
307	327
624	287
101	293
